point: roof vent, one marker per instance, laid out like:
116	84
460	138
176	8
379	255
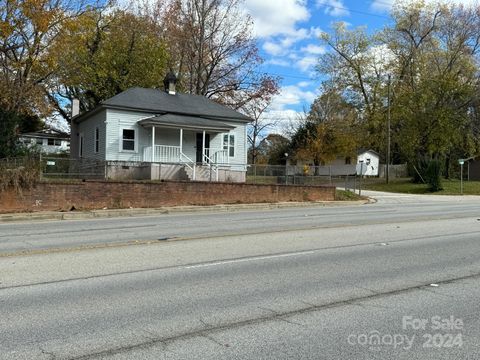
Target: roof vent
169	82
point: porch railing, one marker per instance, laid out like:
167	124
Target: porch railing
217	156
189	163
211	164
162	153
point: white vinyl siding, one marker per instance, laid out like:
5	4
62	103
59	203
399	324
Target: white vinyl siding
239	160
88	129
117	120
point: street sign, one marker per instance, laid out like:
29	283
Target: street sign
461	161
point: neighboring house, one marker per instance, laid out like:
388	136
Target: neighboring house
341	165
154	134
50	141
368	162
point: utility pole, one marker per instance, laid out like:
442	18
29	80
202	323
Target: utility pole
387	172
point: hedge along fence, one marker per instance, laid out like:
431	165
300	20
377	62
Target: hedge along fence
19	173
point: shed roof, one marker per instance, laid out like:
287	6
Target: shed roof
185	122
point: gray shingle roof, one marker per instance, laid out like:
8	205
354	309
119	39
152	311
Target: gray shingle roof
158	101
184	121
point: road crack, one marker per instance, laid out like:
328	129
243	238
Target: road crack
262	319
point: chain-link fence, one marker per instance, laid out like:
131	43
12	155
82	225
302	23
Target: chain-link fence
67	168
338	175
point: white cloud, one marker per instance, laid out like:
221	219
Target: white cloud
284	109
307	63
313	49
334	7
381	5
292	96
277	62
284	45
386	5
272	48
316	32
285	121
276	17
303	84
281	45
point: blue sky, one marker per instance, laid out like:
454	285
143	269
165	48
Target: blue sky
287	32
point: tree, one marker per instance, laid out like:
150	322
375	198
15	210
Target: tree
27	30
356	69
272	149
329	130
103	53
8	133
431	52
258	128
436	48
212	48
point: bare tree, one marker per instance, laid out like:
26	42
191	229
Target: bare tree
212	48
258	128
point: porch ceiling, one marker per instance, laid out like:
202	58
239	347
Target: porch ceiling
185	122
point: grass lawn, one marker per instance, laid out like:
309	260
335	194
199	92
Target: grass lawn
342	195
450	187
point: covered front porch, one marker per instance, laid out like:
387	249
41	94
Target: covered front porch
184	139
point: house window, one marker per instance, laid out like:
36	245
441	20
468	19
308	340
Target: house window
229	144
348	160
128	140
39	141
54	142
80	146
97	139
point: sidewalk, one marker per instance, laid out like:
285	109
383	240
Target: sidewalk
107	213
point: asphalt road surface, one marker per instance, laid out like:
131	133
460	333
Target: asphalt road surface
398	279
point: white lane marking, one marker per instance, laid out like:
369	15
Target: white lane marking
255	258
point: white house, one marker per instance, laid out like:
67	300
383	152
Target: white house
155	134
368	162
50	141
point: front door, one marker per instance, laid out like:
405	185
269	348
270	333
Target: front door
199	156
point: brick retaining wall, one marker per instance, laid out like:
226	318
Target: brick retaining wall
124	194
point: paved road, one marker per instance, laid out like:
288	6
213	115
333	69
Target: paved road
16	237
321	288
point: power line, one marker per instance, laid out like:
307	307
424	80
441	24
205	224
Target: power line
291	76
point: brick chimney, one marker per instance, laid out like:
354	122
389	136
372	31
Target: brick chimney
75	107
170	82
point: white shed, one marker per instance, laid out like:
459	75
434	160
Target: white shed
370	160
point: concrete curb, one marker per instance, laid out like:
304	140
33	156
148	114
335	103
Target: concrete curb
108	213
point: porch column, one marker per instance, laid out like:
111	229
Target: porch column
153	144
181	144
203	145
